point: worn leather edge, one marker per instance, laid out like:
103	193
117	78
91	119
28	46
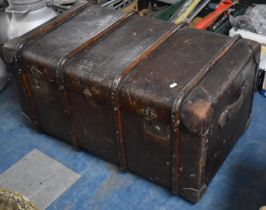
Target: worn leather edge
175	112
206	109
194	193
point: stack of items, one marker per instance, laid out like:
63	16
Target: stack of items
252	25
212	15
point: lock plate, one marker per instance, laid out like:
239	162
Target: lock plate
153	127
157	129
36	76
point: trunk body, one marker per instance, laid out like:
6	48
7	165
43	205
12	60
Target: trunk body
165	102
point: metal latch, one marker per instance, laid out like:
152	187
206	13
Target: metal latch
36	76
153	126
149	114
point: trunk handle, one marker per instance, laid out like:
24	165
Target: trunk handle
234	107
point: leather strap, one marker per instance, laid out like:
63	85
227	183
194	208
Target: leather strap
116	89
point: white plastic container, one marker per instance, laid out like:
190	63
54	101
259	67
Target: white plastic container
20	24
20	17
25	15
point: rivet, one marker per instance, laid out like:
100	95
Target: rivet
156	129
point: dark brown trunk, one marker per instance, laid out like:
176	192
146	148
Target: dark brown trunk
160	100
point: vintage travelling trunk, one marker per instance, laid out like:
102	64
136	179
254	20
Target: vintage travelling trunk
163	101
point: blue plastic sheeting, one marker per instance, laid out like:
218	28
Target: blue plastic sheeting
239	184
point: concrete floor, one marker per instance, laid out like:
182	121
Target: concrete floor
239	184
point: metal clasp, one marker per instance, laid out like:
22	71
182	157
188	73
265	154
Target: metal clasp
36	76
153	127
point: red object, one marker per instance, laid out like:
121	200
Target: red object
209	19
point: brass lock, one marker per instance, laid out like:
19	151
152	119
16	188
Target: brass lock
153	126
36	76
